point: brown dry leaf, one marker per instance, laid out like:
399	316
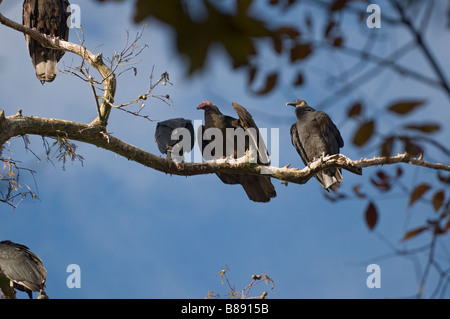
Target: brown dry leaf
383	181
329	28
338	5
447	226
399	172
271	82
298	79
300	51
438	200
411	147
355	110
356	190
252	74
287	31
277	44
417	193
387	146
443	179
364	133
404	107
424	128
338	41
414	233
371	216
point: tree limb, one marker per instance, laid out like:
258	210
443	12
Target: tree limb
17	125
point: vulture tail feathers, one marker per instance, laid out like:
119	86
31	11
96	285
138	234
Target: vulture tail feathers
258	188
46	67
330	179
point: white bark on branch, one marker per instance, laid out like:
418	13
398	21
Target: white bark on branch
17	125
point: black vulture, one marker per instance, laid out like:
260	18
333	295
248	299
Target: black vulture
258	188
48	17
178	129
314	135
21	269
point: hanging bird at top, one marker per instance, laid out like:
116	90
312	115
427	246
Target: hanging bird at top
21	269
314	135
258	188
48	17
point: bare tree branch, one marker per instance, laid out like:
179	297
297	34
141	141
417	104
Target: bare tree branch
421	44
17	125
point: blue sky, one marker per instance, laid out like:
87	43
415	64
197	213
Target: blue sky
139	233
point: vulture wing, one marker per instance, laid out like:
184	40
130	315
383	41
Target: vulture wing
21	266
329	133
246	120
224	177
296	141
164	131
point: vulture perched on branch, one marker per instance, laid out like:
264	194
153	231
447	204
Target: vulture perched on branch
21	269
314	135
175	137
243	139
48	17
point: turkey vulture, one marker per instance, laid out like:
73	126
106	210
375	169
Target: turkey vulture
315	135
50	18
258	188
178	128
21	269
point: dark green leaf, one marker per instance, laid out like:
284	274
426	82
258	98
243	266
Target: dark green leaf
235	31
